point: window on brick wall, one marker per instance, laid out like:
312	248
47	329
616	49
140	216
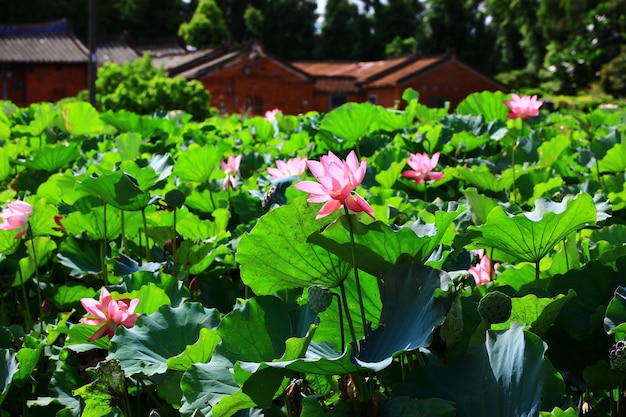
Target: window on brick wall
437	101
254	104
337	100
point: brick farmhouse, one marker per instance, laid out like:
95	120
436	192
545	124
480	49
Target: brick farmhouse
46	62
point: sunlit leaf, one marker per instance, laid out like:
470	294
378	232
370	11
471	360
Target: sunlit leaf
275	255
529	236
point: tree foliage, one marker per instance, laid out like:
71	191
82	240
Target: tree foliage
206	27
139	87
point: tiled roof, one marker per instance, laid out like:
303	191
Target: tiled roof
41	43
358	70
175	64
116	51
161	47
336	85
411	69
207	68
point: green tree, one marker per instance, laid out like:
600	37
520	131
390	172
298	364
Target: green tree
207	26
458	25
139	87
398	24
346	34
576	63
287	27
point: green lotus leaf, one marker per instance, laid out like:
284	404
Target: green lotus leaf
197	164
378	247
607	244
529	236
81	118
615	317
275	255
44	117
507	376
52	158
146	347
614	160
118	189
349	122
81	256
199	352
409	316
206	385
128	145
257	329
537	312
483	178
490	104
595	286
558	412
8	368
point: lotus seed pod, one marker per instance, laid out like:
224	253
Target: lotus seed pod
319	298
495	307
618	356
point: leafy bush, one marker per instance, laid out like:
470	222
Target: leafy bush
140	87
613	75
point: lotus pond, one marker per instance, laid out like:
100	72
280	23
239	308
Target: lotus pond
368	261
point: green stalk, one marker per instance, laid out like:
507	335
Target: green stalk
39	299
103	248
349	318
537	271
343	336
356	270
145	230
29	317
174	244
123	229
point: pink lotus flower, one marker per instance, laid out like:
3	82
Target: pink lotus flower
292	167
16	216
270	115
230	168
482	271
109	312
337	179
423	168
524	107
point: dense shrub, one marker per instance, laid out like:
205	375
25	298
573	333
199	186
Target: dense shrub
140	87
613	75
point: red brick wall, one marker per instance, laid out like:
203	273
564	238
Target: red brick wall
451	81
255	86
33	83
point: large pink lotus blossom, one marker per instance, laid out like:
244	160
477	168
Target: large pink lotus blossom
482	271
110	313
230	168
524	107
270	115
337	180
292	167
423	167
16	216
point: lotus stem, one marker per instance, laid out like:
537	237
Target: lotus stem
103	247
349	318
174	243
343	337
356	271
123	229
29	317
145	230
39	299
537	273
